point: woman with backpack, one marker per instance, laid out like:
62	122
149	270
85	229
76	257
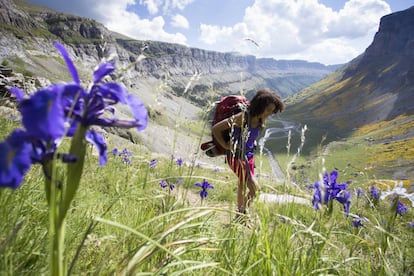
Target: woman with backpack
244	128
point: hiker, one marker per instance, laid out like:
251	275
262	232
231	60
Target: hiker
240	149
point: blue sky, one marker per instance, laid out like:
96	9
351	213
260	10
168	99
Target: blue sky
326	31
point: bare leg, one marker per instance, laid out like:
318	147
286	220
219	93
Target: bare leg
241	202
253	188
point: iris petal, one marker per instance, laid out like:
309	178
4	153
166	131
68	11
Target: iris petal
69	63
18	93
97	140
103	70
14	159
42	114
114	92
139	111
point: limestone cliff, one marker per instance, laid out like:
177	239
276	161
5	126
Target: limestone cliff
28	32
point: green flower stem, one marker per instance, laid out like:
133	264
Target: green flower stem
78	149
389	226
55	228
329	210
60	198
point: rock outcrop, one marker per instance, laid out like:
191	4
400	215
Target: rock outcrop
33	27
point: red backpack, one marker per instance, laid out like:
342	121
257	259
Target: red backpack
225	108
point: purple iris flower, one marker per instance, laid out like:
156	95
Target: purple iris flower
331	187
204	186
126	161
163	184
179	162
89	107
357	222
62	109
401	209
317	195
97	140
125	152
43	115
343	197
14	159
153	163
332	190
115	152
375	193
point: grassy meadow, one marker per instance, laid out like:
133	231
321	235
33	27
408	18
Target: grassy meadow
143	216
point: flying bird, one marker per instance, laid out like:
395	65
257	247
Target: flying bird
252	41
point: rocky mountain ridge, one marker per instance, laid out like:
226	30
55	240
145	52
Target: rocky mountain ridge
370	97
26	26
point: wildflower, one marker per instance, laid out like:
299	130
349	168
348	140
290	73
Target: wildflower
204	186
125	152
411	224
126	161
398	191
332	189
43	114
153	163
48	116
163	184
14	159
375	193
179	181
357	222
47	112
216	170
115	152
336	191
179	162
401	209
359	192
343	197
317	196
97	140
91	107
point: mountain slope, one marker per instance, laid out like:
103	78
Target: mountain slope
27	26
371	97
177	83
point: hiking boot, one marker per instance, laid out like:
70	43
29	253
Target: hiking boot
210	149
207	145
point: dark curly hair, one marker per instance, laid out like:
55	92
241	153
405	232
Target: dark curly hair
262	99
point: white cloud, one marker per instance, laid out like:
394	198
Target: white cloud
357	18
178	4
223	35
115	16
179	21
308	29
154	6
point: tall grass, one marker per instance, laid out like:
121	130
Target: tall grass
123	222
143	216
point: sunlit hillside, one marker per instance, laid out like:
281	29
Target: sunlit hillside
368	101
